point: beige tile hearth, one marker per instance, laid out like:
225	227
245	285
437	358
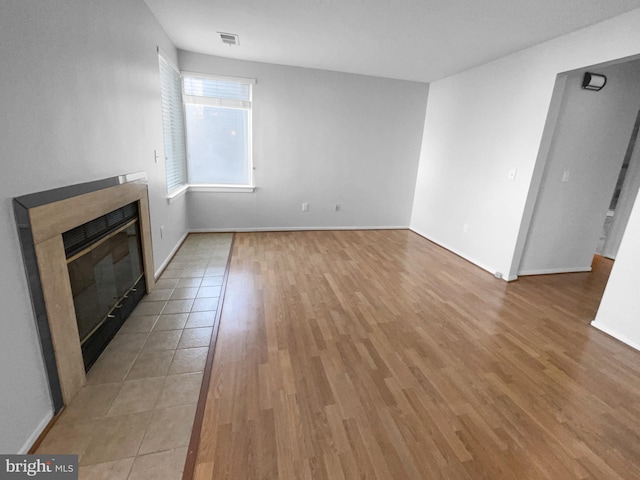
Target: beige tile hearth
133	418
139	324
167	465
137	396
188	360
151	364
115	438
169	428
180	389
116	470
173	321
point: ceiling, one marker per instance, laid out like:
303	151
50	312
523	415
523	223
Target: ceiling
422	40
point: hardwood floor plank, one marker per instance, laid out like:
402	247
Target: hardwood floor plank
379	355
203	471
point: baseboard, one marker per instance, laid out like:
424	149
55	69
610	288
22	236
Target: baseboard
461	255
159	271
36	437
551	271
617	335
294	229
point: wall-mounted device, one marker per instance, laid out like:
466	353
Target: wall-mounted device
593	81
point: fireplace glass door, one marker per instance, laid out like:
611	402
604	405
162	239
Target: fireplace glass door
106	282
103	274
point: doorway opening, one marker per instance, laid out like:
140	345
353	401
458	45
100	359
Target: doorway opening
591	136
623	198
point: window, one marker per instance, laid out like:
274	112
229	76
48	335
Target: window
173	126
218	124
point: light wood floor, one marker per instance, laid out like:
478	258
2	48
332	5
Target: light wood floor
379	355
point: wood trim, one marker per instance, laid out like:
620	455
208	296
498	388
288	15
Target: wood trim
57	217
48	223
44	433
145	239
58	298
194	442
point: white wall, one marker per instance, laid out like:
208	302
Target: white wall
323	138
589	142
619	311
79	102
484	122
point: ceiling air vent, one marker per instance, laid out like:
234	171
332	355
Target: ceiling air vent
229	38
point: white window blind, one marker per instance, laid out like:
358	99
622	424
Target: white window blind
173	126
218	123
215	92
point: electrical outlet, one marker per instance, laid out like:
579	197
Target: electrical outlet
565	176
465	228
305	207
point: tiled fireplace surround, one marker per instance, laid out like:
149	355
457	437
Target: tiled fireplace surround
131	416
42	219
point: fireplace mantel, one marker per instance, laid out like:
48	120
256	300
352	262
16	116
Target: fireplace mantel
41	223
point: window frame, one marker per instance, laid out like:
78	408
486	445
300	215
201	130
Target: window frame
237	104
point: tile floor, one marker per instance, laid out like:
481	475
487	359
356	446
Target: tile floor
133	418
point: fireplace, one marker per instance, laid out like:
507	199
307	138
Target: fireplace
74	266
104	260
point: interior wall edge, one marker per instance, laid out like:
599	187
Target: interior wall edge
457	252
599	325
172	254
546	143
551	271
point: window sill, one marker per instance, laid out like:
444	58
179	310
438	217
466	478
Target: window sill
222	188
173	196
